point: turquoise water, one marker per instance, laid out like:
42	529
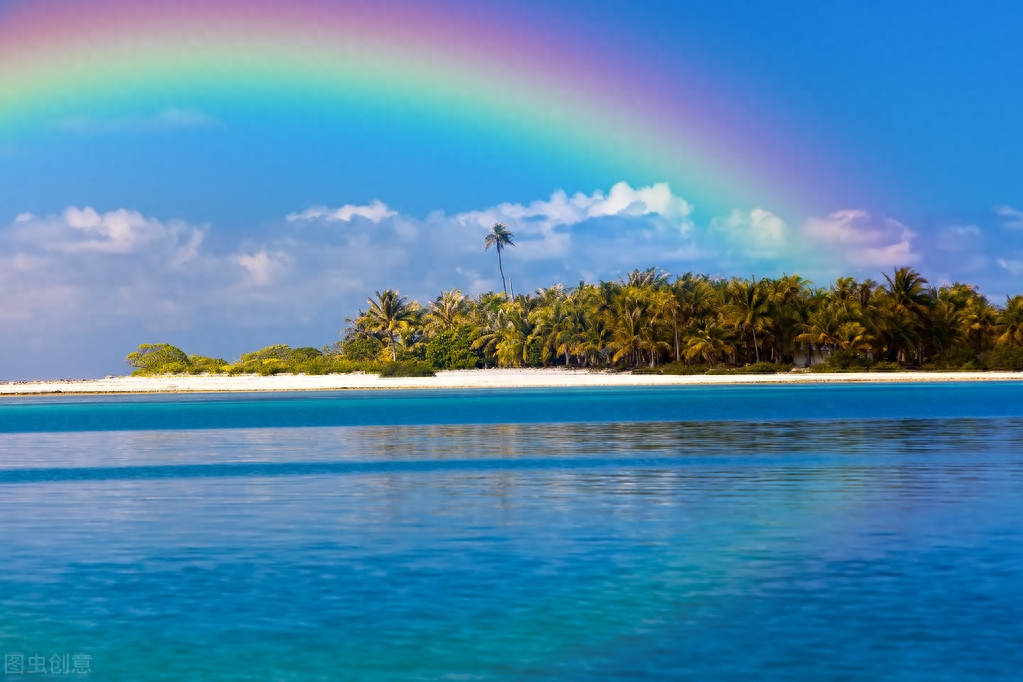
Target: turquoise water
766	532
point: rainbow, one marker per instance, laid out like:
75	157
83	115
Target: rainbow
463	67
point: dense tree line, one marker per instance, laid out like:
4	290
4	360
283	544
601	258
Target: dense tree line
650	320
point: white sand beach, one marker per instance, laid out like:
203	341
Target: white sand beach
481	379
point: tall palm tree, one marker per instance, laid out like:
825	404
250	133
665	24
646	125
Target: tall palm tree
748	308
499	237
911	301
390	314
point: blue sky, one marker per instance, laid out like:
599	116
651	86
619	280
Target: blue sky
171	223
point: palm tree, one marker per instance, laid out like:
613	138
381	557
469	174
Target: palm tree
709	341
821	330
1010	322
447	311
651	277
499	237
749	308
911	302
390	314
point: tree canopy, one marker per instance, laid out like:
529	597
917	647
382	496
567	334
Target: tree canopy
649	319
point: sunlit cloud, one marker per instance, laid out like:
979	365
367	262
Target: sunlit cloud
1011	218
373	212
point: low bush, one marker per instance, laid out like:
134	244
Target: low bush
885	366
1004	358
844	358
675	368
954	358
406	369
755	368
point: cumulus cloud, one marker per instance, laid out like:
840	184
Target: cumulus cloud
757	233
373	212
85	230
1011	218
857	239
545	226
262	266
87	269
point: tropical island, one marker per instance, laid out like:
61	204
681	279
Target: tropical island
649	322
648	325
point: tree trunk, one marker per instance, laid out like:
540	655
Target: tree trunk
504	286
674	322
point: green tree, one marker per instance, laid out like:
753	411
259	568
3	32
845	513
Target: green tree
158	358
499	238
390	315
748	308
1010	322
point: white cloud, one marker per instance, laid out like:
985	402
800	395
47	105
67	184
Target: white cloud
1013	267
262	266
1011	218
373	212
757	233
85	269
85	230
543	228
561	209
855	238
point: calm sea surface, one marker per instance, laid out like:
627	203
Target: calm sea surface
714	533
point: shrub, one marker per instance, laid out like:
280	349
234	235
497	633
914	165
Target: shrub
406	369
200	364
673	368
755	368
885	366
1004	357
452	349
846	358
361	349
955	358
764	368
157	358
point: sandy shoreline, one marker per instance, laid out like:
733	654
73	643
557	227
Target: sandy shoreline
488	378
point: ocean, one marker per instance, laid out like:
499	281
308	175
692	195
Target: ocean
793	532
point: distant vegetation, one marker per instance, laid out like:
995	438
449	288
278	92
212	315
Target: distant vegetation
651	322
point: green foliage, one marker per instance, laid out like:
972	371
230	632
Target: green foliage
955	358
282	359
848	359
452	349
199	364
406	369
764	368
886	366
755	368
673	368
647	320
1005	358
157	358
361	349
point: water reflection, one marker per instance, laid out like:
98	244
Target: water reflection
679	549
